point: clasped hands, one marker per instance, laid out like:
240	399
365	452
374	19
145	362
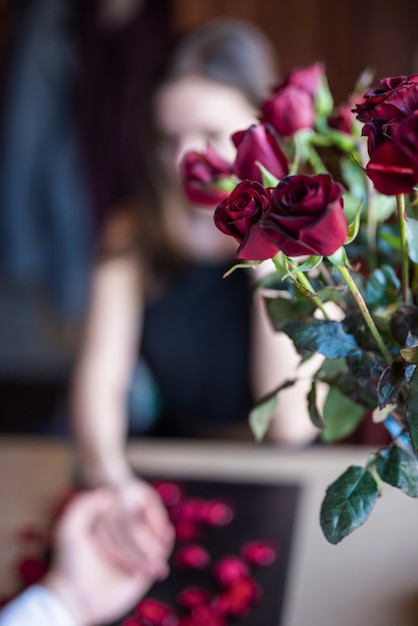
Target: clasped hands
110	546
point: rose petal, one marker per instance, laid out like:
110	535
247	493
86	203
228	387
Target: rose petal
187	530
259	553
192	556
156	613
228	569
193	596
170	492
32	569
219	514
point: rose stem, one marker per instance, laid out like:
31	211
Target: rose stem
400	202
364	310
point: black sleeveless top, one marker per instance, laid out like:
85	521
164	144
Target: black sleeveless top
196	342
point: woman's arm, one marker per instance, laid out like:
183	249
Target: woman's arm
104	370
275	360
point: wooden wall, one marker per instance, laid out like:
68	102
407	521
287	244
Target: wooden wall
347	35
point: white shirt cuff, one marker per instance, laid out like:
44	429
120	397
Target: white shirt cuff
36	606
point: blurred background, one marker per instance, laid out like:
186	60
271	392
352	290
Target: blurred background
73	79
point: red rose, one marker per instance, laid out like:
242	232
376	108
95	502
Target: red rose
290	109
292	106
395	98
306	216
258	144
393	165
203	175
239	216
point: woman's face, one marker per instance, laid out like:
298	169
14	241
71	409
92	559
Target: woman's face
192	111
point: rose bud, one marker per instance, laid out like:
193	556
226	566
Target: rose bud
206	177
292	106
192	557
259	553
228	569
239	216
289	110
306	216
156	613
193	596
258	144
394	98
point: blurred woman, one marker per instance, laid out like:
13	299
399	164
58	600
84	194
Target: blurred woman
158	290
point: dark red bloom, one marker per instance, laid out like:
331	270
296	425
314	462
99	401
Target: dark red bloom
258	144
395	98
228	569
192	556
292	105
202	175
240	215
393	151
306	216
259	553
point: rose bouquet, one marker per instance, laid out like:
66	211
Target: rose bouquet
329	196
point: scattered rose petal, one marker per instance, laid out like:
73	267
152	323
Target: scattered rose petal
187	530
30	534
240	596
193	509
219	514
259	553
156	613
31	570
193	596
170	492
192	556
207	616
132	621
228	569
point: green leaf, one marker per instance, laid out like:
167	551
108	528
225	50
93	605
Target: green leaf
341	416
284	310
314	414
412	238
383	287
390	383
412	409
399	469
261	416
323	336
348	503
410	355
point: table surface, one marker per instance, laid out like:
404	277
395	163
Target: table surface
370	578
